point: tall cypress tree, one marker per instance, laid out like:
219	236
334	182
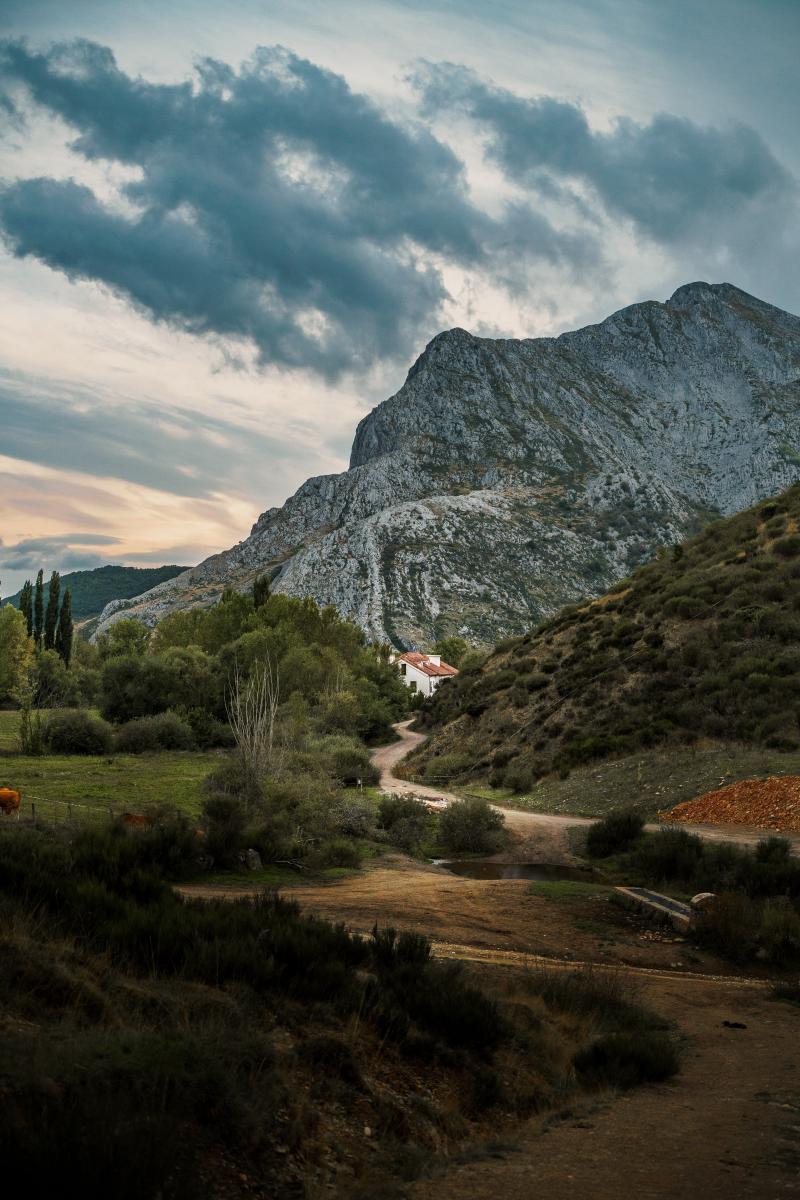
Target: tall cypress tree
65	629
38	609
51	616
26	604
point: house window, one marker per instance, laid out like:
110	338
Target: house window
412	687
402	668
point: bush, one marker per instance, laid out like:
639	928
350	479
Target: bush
165	731
446	766
407	822
339	852
728	925
225	823
471	826
207	731
625	1060
351	766
615	832
779	933
787	547
669	855
352	815
75	731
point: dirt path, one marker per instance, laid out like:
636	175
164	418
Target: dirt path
728	1128
541	834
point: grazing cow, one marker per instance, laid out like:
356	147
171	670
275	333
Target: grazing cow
137	820
9	801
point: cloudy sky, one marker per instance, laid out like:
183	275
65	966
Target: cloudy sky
229	228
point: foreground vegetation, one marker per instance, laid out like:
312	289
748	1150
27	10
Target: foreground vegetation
157	1047
701	643
754	909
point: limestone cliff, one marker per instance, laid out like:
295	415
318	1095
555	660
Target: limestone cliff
507	477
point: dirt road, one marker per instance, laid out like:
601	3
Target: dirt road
542	834
728	1128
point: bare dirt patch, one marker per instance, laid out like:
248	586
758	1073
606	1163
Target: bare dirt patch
772	803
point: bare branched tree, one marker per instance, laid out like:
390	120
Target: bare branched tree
252	707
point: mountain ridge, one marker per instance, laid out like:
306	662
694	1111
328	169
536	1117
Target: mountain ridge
507	477
93	589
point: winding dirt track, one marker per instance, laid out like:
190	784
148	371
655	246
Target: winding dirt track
542	830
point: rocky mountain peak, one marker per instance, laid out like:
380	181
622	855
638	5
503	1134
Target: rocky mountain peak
508	477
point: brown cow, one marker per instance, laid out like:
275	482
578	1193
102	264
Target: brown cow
9	801
137	820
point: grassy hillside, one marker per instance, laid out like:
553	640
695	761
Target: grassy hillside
701	645
93	590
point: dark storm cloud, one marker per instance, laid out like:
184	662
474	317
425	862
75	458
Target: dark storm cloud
273	203
673	178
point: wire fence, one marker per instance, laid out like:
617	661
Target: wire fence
44	810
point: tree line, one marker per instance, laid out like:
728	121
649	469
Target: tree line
51	627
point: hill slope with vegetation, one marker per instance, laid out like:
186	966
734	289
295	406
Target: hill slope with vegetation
93	590
701	644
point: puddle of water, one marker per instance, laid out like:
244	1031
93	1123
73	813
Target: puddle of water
543	872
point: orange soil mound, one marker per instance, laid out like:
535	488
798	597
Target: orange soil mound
772	803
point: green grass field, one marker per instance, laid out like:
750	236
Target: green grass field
9	726
124	783
652	781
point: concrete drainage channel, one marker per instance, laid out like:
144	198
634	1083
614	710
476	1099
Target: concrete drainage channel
661	908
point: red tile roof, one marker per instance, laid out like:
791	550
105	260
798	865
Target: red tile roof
423	663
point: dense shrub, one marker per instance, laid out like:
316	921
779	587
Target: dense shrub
615	832
225	819
208	732
740	928
338	852
669	854
471	826
625	1060
165	731
74	731
408	823
350	764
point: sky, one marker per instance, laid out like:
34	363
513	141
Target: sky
228	229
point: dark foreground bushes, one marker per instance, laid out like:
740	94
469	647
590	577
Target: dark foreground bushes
625	1060
615	832
139	1056
109	887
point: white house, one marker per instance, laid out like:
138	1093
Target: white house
423	672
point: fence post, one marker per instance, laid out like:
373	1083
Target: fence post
33	811
69	811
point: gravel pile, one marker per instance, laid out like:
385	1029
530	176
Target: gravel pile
772	803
